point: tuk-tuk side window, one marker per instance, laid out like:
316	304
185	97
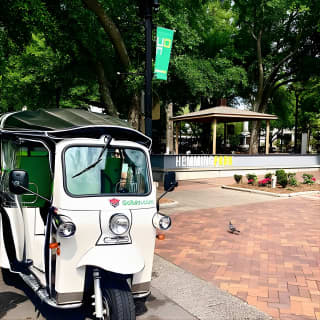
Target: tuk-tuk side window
115	171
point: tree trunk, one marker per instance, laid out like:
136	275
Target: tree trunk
254	138
110	28
134	113
104	90
58	96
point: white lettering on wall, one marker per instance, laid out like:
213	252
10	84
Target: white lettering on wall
205	161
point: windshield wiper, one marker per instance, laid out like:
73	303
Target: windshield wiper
107	140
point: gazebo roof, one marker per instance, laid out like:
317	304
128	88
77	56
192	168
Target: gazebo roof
224	114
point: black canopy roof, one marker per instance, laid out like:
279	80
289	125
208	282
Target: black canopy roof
69	123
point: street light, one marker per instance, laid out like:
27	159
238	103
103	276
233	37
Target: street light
146	7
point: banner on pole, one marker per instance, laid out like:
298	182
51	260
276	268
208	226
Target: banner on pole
164	45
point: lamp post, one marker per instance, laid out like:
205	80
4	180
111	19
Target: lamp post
147	6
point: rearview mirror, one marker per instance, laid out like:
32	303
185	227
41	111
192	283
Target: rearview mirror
170	181
18	181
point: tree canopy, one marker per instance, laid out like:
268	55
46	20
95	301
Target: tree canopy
92	52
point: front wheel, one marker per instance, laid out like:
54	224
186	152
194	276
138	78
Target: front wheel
118	302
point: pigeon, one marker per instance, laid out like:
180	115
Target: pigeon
233	229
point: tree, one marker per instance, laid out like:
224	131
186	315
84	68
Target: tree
279	42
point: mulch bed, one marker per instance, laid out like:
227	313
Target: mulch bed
289	189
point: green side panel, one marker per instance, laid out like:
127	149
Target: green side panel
37	166
111	175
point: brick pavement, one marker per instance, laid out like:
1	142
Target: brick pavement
273	264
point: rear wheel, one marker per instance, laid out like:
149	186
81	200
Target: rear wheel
118	302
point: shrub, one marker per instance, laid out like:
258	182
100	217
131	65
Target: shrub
264	182
252	178
238	178
282	178
280	172
308	178
292	181
268	175
291	174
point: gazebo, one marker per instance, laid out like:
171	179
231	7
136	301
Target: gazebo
223	114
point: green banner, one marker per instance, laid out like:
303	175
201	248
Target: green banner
164	45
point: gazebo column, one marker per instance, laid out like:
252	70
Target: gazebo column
267	136
214	136
177	137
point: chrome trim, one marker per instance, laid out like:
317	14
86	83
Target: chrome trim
68	297
43	294
141	287
97	294
18	204
141	295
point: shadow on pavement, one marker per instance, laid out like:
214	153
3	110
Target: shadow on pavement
9	300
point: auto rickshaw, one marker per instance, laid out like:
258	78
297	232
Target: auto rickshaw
78	213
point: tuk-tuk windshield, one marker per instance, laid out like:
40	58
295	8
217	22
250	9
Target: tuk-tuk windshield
119	171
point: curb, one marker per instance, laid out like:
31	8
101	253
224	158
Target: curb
272	194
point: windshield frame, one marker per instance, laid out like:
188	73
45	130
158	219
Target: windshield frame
103	194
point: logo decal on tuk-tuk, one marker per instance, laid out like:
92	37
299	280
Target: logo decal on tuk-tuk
114	202
137	202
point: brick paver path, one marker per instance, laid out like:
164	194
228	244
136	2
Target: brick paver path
274	264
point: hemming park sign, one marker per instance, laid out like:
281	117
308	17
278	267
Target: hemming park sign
164	45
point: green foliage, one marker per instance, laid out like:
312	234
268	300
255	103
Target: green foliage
238	178
285	30
252	178
291	174
292	180
201	65
308	178
282	104
49	51
268	175
282	178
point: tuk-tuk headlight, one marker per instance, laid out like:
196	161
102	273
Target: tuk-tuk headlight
119	224
161	221
66	229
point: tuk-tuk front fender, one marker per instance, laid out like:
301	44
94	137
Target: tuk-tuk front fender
122	259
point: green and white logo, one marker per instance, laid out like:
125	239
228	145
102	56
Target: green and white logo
137	202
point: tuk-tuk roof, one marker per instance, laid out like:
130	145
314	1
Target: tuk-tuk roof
70	123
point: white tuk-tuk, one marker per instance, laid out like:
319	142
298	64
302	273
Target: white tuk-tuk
79	214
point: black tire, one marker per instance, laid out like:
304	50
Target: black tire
117	300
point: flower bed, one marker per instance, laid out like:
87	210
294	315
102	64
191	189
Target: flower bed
279	189
286	182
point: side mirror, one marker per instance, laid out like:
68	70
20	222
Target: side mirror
18	181
170	181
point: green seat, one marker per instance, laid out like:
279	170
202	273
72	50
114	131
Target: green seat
111	175
36	163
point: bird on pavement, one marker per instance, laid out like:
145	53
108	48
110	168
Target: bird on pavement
233	229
